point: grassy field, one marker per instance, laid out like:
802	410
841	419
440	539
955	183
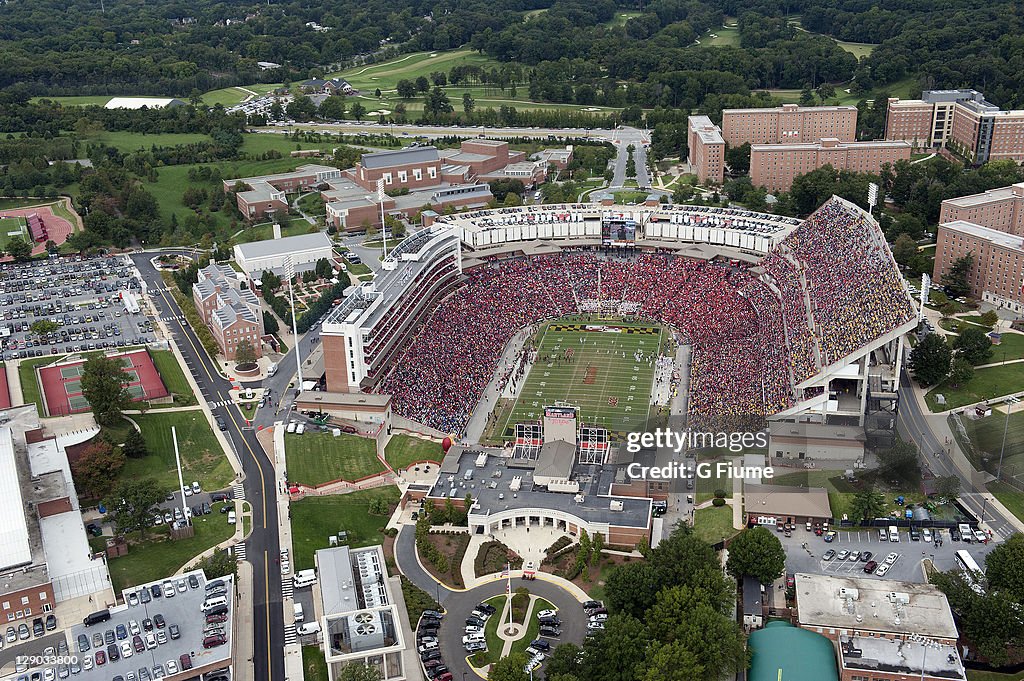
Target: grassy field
258	143
133	141
611	390
976	675
711	524
404	450
986	384
23	203
13	228
621	17
289	227
1010	497
858	50
160	556
317	458
30	390
79	100
314	518
724	36
173	377
904	89
202	457
986	436
314	666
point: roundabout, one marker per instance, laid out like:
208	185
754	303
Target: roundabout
501	637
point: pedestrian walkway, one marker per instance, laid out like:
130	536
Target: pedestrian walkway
287	587
240	551
238	489
243	625
291	637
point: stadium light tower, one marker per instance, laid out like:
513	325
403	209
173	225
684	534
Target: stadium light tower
383	224
289	270
872	196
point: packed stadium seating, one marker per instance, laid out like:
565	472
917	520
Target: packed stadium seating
834	268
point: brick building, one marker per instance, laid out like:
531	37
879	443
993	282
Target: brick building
961	120
882	629
233	314
789	124
707	150
775	166
1001	209
266	195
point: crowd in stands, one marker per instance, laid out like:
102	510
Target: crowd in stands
745	361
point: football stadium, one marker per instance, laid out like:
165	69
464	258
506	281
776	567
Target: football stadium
504	312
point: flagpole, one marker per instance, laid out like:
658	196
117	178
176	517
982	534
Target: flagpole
508	567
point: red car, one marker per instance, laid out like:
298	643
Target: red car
214	641
101	658
216	619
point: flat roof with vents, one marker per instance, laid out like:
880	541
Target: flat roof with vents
14	545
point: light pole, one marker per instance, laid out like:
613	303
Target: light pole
289	270
1010	401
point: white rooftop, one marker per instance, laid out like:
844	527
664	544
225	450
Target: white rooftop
14	545
880	605
289	244
139	102
991	235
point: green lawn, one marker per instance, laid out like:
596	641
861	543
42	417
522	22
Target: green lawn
976	675
202	457
711	524
314	518
533	627
79	100
726	37
173	377
621	17
314	666
1010	497
23	203
30	390
858	50
255	144
404	450
159	557
317	458
601	377
133	141
494	642
289	227
986	441
705	487
1010	347
986	384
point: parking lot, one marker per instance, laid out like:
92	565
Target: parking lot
81	297
182	610
805	551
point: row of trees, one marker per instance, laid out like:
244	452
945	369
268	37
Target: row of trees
934	360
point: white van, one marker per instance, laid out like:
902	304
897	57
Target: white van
272	369
894	533
297	609
214	603
304	578
882	536
308	628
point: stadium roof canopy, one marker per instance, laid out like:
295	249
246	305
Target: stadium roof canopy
139	102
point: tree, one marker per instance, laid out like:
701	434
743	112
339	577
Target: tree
867	504
1003	567
132	503
826	91
672	662
359	672
468	103
617	653
901	461
270	324
904	250
630	588
358	111
269	282
436	103
563	660
96	468
807	96
947	488
956	280
738	158
973	345
687	618
245	354
378	506
377	93
42	327
511	668
134	446
406	88
104	384
220	563
989	319
19	249
960	371
758	553
930	359
422	84
332	108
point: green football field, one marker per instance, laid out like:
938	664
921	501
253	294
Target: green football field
600	376
11	228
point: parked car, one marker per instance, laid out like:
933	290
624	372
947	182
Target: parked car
843	555
870	566
829	555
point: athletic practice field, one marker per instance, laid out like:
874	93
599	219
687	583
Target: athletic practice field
592	366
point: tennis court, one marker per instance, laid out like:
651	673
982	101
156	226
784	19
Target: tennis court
61	382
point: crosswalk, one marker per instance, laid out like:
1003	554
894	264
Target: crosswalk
290	635
238	490
173	318
287	588
240	551
219	403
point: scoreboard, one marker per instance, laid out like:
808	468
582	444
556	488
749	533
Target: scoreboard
618	231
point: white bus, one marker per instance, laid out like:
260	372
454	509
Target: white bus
972	571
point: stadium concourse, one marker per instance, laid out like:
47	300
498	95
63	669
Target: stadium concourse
763	334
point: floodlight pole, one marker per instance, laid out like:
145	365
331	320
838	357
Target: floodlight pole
1006	426
181	482
289	269
383	224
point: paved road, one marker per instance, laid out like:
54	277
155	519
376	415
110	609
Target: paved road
623	138
263	544
431	131
459	604
914	425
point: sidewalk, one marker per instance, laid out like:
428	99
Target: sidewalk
243	625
